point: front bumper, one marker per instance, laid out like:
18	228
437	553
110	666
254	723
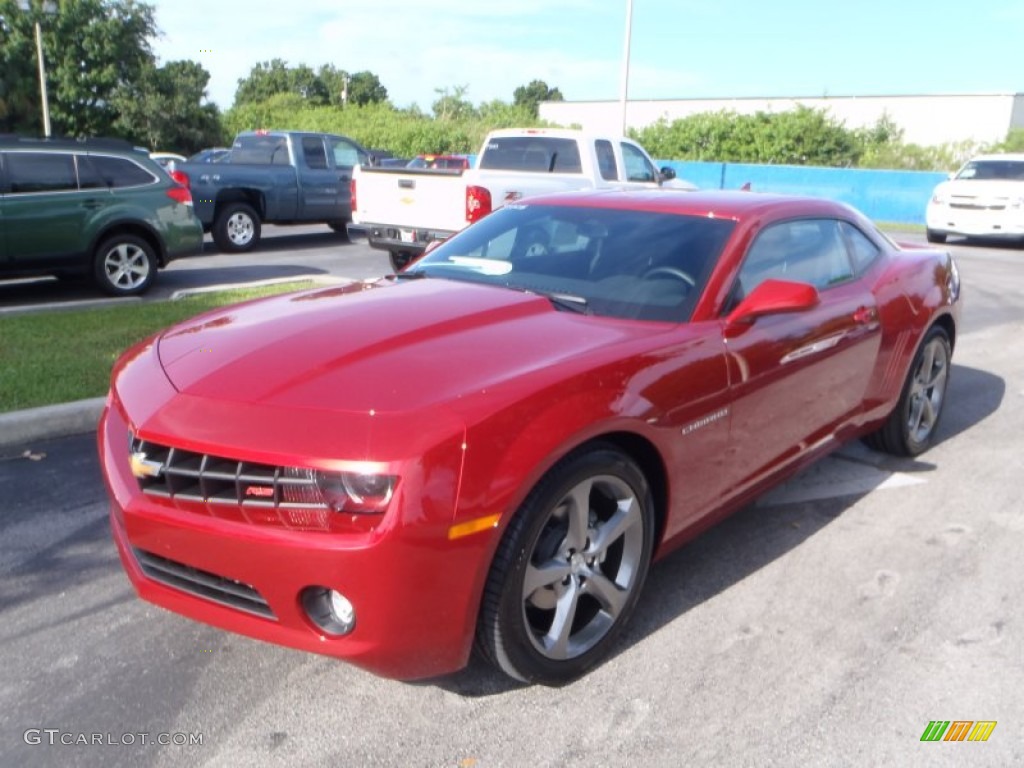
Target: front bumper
415	592
975	222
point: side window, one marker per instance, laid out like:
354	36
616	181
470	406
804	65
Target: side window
638	167
345	154
313	152
41	172
606	160
88	176
120	172
804	250
862	250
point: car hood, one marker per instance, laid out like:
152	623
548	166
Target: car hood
382	347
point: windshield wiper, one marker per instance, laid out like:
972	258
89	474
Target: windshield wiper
567	301
416	275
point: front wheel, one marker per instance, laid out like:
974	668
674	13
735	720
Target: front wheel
400	260
236	228
911	426
124	265
935	237
569	569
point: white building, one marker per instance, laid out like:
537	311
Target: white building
925	120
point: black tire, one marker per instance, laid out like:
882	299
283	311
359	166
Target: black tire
124	265
586	572
935	237
400	260
236	228
341	227
911	426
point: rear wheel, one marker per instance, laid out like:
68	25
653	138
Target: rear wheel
569	569
124	265
911	426
236	228
341	227
935	237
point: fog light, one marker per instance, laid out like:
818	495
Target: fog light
330	610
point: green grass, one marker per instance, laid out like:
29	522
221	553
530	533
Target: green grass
57	357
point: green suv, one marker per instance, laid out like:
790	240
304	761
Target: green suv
96	207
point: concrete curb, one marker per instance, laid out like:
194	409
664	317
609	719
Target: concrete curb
20	428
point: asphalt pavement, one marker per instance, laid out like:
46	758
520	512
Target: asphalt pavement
828	624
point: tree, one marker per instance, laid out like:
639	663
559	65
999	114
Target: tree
530	96
365	88
265	79
453	106
91	48
325	86
164	109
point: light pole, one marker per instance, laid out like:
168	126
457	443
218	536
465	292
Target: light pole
625	62
49	7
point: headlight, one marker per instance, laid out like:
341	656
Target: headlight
355	492
938	199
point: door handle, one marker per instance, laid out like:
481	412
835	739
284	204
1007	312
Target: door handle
865	315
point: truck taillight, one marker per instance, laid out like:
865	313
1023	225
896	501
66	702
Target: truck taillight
352	192
478	203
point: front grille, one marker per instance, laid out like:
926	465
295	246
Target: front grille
187	476
977	204
209	586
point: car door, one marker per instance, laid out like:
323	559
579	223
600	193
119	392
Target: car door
44	212
318	180
345	155
798	377
638	170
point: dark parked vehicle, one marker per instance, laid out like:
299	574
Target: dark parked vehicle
275	177
97	208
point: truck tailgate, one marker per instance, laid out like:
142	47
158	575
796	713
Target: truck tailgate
414	198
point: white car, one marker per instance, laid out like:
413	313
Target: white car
985	198
167	158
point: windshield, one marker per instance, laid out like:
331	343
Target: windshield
985	170
616	263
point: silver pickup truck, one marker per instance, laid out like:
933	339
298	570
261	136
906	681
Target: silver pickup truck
402	210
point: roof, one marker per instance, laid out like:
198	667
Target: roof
731	204
65	142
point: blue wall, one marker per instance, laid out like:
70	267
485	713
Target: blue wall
886	196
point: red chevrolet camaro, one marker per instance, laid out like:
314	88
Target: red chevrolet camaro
488	449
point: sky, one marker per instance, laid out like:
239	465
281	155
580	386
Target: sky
678	48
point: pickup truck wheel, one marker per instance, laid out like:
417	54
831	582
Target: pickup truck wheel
124	265
400	260
341	227
237	228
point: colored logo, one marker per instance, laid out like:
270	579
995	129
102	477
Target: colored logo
143	467
259	490
958	730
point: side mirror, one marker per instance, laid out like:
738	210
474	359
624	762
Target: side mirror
668	173
773	297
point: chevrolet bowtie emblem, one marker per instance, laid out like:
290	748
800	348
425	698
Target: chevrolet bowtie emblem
143	467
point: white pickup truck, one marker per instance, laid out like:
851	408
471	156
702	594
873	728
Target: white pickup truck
402	210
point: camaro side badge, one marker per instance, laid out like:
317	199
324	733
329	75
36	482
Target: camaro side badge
143	467
709	419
